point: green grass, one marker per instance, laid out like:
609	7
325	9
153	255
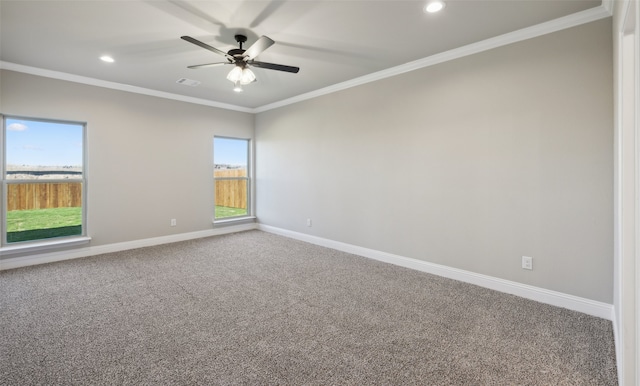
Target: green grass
225	211
25	225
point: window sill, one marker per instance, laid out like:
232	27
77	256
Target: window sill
43	245
234	221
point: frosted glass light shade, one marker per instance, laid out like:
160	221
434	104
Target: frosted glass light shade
235	74
247	76
241	75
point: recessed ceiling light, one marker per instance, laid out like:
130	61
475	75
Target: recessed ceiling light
434	6
107	58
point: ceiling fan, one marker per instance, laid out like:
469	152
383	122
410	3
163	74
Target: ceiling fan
241	75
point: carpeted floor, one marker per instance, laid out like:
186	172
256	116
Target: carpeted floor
256	308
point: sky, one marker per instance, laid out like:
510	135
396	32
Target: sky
227	151
39	143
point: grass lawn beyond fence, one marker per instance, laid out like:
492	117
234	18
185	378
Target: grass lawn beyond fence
226	211
36	224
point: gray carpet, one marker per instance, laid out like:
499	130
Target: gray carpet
256	308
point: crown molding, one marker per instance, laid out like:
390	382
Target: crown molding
551	26
117	86
608	6
573	20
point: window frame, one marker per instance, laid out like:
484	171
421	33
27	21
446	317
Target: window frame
248	179
43	244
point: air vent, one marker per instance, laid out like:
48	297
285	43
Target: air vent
188	82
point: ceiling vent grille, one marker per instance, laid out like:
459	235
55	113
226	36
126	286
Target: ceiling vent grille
188	82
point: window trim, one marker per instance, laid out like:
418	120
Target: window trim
248	178
47	243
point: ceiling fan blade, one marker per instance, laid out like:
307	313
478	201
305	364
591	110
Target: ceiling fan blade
272	66
208	65
206	46
256	48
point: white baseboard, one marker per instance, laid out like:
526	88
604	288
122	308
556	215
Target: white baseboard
587	306
51	257
559	299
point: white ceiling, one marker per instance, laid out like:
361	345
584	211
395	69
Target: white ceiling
331	41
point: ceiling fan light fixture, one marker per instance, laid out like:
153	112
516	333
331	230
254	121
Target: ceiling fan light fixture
235	74
434	6
247	76
241	75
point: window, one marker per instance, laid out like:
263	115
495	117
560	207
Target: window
231	178
43	180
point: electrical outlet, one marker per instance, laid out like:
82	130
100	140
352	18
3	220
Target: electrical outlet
308	222
173	222
527	262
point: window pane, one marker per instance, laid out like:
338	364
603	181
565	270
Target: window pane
37	150
230	154
43	178
231	160
231	198
43	210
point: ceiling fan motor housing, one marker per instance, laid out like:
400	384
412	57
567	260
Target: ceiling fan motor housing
236	53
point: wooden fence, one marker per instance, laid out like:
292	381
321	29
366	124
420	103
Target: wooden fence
44	195
231	193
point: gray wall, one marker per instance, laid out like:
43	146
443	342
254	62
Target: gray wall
471	163
150	159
